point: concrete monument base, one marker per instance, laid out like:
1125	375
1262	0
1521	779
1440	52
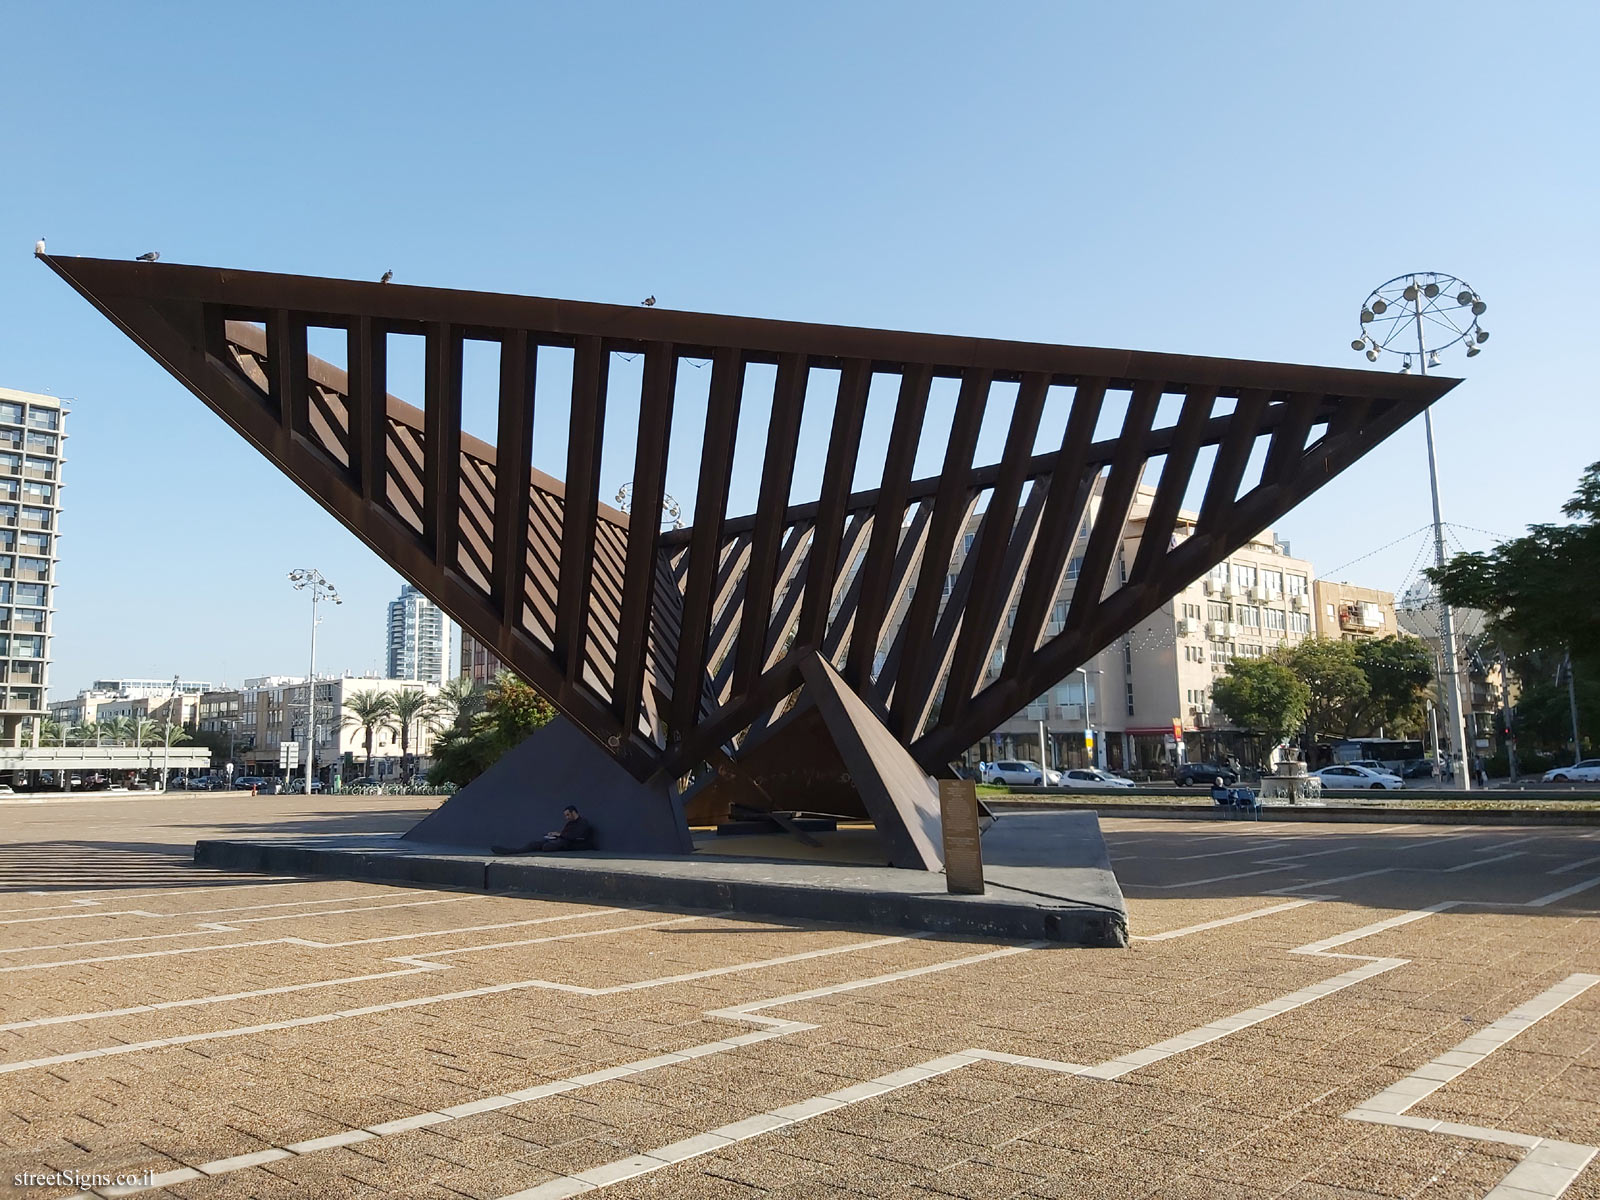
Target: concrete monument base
1048	874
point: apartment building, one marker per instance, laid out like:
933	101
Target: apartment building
1349	613
272	710
1148	696
479	663
108	699
32	451
418	641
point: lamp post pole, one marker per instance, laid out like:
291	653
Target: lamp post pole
320	589
1447	623
1453	309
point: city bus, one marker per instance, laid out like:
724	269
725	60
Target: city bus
1393	754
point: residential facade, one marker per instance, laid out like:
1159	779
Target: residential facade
1346	613
32	451
1148	697
272	710
418	641
479	663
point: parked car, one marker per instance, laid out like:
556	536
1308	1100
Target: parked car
299	785
1587	771
1348	775
247	782
1417	768
1204	774
1024	772
1091	777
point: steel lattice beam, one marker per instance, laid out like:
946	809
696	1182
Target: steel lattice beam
666	647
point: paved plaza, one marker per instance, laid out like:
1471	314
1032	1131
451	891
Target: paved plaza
1325	1012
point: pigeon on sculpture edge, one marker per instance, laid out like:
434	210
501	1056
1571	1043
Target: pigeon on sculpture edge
387	276
38	248
148	256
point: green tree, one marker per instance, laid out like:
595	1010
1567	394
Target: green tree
146	730
512	710
87	732
170	733
368	711
410	710
1263	696
460	699
52	732
118	729
1338	686
1399	673
1539	588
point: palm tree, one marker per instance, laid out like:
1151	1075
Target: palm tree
144	729
411	709
118	729
171	734
51	730
460	700
87	731
368	711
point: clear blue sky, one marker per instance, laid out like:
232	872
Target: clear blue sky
1225	180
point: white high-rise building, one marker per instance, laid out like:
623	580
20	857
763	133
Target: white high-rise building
419	644
32	446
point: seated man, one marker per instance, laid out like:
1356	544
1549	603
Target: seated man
576	834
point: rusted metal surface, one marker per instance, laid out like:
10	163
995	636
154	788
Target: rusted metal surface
667	646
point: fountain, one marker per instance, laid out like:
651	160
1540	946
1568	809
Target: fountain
1289	783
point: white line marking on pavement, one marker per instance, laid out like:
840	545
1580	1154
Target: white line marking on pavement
605	1174
420	961
1575	866
1550	1166
1343	939
1480	862
772	1027
1545	901
1221	921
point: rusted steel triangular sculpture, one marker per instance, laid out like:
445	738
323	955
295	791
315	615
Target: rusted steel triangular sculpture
669	649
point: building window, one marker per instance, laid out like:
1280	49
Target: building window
1074	567
1299	622
1217	612
1244	575
1219	573
1250	616
40	418
1274	618
1294	585
1272	581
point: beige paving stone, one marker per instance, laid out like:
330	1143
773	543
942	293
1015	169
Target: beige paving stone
1259	1111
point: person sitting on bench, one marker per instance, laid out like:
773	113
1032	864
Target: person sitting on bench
576	834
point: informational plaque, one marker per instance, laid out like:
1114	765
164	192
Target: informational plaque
963	853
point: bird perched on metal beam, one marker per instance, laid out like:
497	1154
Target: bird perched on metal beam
149	256
648	302
38	248
387	275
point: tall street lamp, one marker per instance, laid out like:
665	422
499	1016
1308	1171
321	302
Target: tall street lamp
320	589
1421	304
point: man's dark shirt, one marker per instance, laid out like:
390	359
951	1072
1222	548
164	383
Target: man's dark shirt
577	834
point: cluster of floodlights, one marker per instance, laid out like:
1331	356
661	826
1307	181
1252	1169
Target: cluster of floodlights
1408	309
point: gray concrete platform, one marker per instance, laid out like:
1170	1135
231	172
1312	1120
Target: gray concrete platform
1049	878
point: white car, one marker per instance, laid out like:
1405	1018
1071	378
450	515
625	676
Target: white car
1587	771
1348	775
1023	772
1089	777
